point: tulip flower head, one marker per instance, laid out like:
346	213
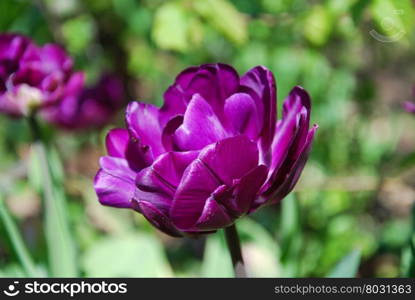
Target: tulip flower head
32	77
211	154
91	107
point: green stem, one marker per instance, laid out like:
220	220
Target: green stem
234	246
61	253
17	241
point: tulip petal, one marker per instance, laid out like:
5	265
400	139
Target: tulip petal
242	114
143	123
157	183
248	187
230	158
214	216
200	126
262	82
114	182
292	129
157	218
167	136
217	164
290	178
196	186
117	141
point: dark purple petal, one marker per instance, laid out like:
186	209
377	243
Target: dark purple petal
218	164
261	81
242	114
175	100
195	188
117	141
214	82
143	123
214	216
156	185
114	182
157	218
285	180
292	129
247	189
167	136
12	48
200	126
230	158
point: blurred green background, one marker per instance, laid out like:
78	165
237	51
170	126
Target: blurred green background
353	207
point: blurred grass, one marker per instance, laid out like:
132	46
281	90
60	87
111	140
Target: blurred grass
357	189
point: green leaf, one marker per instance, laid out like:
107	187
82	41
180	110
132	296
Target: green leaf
16	239
47	178
318	25
347	267
216	259
260	250
170	29
128	255
223	16
291	239
78	33
290	221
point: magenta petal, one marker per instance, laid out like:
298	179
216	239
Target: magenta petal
175	99
157	184
242	114
56	57
287	181
409	106
184	77
200	126
143	123
12	46
214	216
114	182
262	82
153	189
292	129
248	187
215	82
195	188
171	165
117	142
117	167
230	158
167	136
156	217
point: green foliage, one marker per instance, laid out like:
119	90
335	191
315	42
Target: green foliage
347	267
134	254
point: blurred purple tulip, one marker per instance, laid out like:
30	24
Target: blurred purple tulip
214	152
90	107
409	106
32	77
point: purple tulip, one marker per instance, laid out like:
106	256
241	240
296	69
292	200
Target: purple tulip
32	77
213	153
409	106
89	107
